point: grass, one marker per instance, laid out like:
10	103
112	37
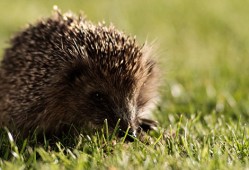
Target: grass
203	49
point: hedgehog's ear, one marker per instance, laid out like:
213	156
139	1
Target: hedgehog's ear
74	72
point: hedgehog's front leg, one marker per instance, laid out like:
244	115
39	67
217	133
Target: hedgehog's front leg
148	124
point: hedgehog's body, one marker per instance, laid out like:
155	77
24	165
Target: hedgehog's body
65	71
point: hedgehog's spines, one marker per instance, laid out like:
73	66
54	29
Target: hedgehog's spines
53	69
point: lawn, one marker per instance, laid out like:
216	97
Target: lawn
203	52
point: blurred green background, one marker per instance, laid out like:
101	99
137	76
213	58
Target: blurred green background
203	46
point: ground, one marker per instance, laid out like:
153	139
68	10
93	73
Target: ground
203	52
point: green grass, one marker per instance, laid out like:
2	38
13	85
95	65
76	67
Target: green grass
204	53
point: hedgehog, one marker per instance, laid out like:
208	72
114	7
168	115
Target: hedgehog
64	71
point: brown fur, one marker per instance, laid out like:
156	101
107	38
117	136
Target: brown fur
67	71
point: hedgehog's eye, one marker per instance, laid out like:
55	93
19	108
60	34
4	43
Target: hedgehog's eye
97	96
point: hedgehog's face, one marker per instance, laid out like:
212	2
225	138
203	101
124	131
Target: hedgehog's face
112	88
100	97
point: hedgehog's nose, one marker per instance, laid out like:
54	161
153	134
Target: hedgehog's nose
130	136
